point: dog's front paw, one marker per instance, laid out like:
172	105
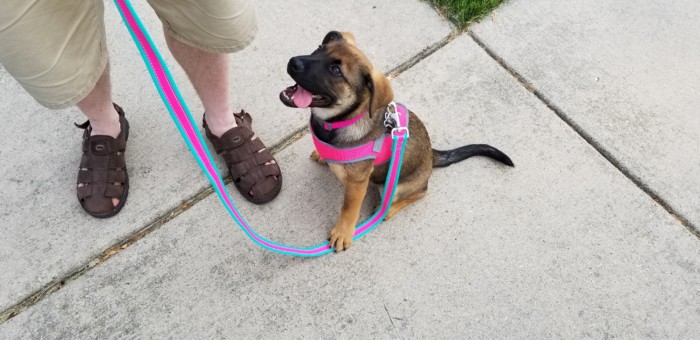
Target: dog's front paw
315	156
341	237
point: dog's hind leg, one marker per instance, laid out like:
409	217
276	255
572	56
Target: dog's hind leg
409	190
398	205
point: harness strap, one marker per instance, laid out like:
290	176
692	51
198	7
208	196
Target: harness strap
343	123
190	133
378	149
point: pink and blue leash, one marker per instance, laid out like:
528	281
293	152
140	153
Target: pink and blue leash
190	133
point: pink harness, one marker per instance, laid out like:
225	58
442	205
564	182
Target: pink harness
378	149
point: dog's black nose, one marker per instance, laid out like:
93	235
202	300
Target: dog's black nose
296	65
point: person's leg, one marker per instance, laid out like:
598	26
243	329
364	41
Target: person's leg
200	34
97	107
209	74
57	51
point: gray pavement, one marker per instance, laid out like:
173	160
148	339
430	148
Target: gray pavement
626	72
564	245
46	235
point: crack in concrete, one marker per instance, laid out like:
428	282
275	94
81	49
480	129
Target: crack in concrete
392	322
288	140
426	52
104	256
637	181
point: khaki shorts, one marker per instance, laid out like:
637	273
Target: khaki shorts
56	49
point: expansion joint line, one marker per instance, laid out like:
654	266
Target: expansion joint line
588	138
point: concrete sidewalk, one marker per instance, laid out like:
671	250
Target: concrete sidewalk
46	234
626	74
565	245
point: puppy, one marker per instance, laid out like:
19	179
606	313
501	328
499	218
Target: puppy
339	84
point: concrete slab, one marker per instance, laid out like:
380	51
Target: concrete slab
562	246
626	72
46	234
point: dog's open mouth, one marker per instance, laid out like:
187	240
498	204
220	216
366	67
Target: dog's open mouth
297	96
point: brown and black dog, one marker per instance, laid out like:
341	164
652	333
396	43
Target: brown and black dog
338	82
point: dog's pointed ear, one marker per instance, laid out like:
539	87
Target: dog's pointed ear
380	92
339	36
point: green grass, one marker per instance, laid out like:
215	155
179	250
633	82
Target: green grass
462	12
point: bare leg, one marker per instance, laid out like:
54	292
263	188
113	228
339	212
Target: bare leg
97	106
209	75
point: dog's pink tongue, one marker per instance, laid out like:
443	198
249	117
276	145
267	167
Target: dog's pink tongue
302	98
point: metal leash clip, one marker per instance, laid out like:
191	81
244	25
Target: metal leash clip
392	121
391	118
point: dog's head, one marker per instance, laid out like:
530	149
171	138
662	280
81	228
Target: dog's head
336	79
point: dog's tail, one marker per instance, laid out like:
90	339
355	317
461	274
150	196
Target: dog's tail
445	158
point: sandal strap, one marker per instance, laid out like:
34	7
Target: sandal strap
100	190
232	139
243	152
102	162
103	145
244	118
256	176
242	167
102	176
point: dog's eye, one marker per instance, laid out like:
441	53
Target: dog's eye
336	70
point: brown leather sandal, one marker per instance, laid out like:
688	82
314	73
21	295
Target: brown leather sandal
246	162
103	170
